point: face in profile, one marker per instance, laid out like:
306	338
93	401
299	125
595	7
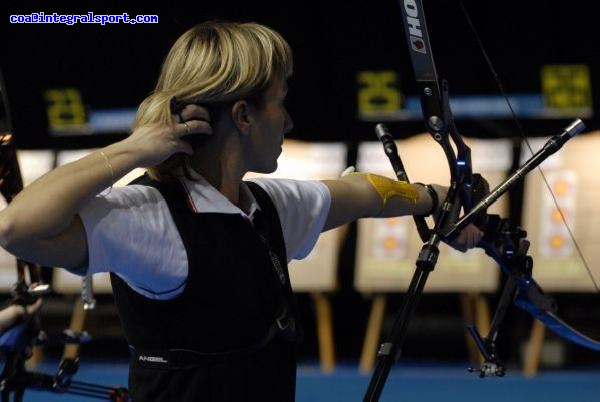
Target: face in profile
272	122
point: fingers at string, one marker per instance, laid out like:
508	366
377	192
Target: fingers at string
193	112
193	127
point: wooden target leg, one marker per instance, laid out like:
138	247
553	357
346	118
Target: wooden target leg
372	335
534	351
77	322
37	356
324	332
475	310
482	317
468	313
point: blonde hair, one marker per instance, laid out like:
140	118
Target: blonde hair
215	62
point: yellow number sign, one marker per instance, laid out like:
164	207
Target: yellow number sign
64	108
378	93
567	86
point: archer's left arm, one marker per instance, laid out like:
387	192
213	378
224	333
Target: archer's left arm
366	195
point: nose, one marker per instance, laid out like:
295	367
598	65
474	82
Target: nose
288	124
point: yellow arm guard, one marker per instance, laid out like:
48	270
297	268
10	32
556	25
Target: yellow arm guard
388	188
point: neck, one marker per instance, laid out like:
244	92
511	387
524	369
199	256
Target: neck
220	165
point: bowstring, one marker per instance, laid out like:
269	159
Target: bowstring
524	137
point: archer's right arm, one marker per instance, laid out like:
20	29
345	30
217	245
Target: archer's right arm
41	224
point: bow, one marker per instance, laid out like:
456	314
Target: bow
17	342
503	241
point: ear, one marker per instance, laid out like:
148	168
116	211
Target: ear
241	115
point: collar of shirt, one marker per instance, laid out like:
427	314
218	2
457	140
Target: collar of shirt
203	197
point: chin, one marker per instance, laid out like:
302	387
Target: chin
272	169
266	169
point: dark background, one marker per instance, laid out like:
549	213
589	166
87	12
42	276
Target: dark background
116	66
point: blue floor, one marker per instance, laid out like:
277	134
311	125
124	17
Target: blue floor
419	383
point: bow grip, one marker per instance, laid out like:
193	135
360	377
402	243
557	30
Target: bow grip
451	208
481	189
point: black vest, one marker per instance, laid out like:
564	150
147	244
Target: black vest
231	299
